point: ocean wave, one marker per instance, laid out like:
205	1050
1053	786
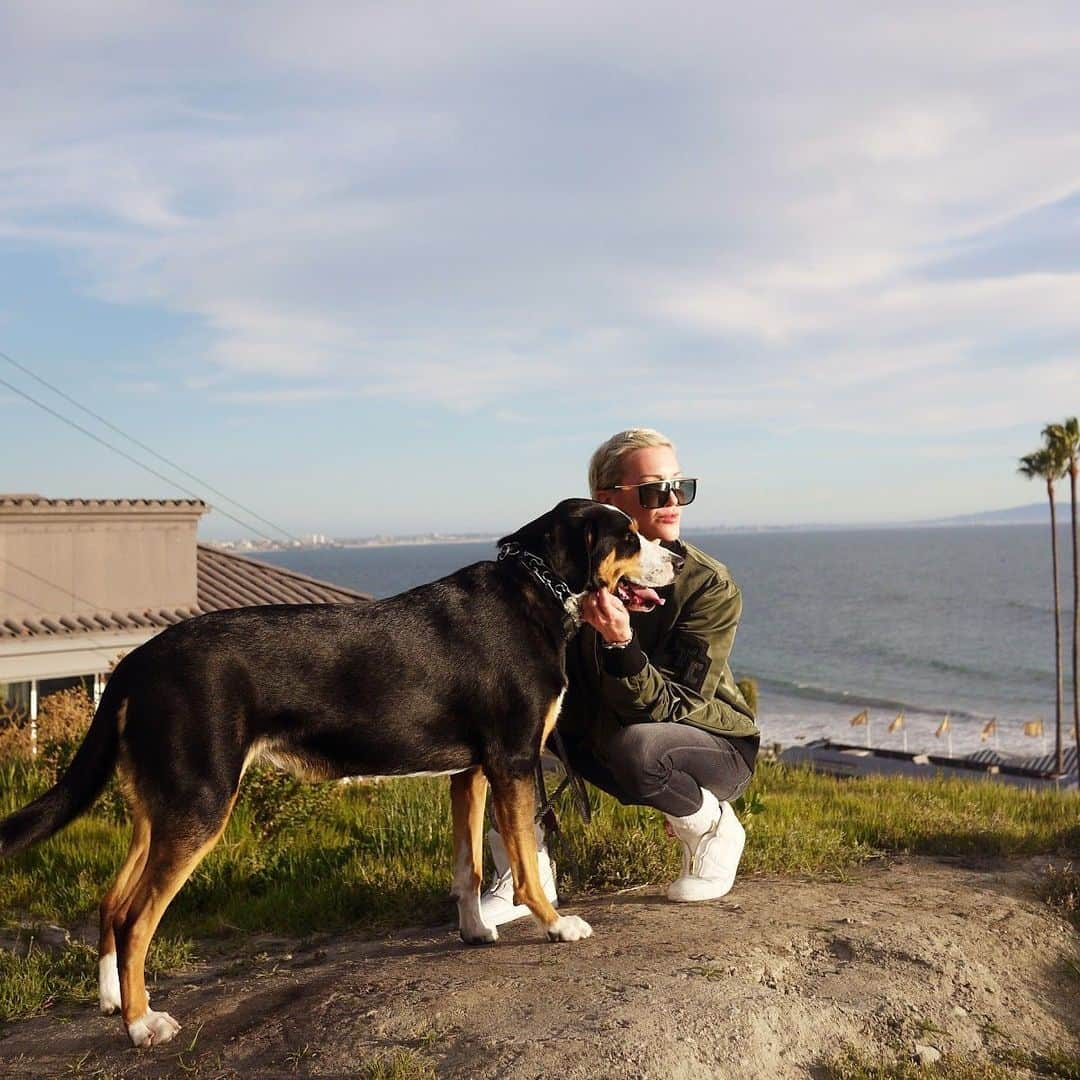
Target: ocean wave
831	696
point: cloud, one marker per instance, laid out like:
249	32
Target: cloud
786	211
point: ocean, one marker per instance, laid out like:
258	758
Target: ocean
925	621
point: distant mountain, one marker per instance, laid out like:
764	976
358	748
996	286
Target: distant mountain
1037	513
1030	514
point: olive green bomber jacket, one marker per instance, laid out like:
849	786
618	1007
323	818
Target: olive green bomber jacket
677	668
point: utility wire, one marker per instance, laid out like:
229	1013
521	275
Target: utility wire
124	454
150	450
52	585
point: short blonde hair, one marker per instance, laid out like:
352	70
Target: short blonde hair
605	466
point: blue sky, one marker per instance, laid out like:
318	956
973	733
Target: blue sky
393	268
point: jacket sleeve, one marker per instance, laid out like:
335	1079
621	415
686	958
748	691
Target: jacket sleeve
689	680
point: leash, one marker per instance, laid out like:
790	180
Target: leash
571	779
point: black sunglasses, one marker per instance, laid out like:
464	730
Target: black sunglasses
655	493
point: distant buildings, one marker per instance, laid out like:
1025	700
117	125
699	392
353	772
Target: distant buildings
84	581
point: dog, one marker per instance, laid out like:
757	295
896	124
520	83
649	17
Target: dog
461	677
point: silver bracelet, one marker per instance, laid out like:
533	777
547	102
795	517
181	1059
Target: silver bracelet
617	644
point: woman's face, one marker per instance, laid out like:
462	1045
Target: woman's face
639	467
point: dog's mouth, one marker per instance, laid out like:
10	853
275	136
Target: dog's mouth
637	597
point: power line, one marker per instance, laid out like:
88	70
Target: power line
149	449
52	585
124	454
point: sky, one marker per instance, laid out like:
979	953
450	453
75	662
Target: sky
373	268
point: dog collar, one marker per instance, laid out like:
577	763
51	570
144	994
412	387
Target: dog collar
542	573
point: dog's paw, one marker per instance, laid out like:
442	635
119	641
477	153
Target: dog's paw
481	935
152	1028
108	985
569	928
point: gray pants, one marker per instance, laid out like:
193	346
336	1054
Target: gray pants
662	765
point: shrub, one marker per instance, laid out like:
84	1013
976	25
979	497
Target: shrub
279	803
749	689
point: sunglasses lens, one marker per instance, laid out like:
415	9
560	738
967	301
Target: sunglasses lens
653	496
685	490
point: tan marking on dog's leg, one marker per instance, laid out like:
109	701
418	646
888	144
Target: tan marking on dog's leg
551	719
468	793
514	805
111	903
169	864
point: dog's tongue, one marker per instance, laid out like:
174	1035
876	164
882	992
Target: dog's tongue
638	597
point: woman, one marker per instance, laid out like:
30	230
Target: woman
652	714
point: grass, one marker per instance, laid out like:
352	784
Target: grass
1061	890
32	983
297	857
854	1064
398	1065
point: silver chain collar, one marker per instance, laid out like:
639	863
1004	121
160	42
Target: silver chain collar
543	574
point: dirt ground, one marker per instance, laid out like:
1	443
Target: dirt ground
769	982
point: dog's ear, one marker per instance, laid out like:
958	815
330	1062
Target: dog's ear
565	538
575	552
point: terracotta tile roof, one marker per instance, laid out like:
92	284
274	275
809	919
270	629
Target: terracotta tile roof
96	504
228	581
224	581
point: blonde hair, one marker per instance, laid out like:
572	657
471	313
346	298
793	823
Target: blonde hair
605	466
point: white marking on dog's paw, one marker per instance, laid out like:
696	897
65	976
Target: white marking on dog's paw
108	984
152	1028
569	928
479	935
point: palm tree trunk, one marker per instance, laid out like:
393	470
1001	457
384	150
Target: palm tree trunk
1073	469
1058	748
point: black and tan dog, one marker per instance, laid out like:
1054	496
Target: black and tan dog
464	677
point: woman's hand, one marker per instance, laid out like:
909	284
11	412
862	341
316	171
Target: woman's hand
607	615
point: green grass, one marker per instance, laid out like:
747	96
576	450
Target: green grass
298	858
32	983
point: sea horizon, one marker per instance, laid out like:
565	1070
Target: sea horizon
927	621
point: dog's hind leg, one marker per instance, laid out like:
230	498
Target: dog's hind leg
177	846
468	793
111	904
513	800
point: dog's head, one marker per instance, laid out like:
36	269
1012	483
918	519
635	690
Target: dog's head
592	546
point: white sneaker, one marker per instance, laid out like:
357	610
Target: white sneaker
712	844
497	904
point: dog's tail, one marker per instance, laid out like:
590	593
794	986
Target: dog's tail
79	786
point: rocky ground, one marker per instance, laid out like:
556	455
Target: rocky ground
771	982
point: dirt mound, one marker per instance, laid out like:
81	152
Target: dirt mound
769	982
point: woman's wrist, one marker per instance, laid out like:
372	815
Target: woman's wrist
617	643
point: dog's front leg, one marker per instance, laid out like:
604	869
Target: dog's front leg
468	793
514	803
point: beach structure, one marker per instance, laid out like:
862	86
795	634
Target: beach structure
84	581
845	759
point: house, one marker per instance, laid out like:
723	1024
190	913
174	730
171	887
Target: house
84	581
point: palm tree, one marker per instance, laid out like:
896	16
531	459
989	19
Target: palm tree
1066	438
1048	465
